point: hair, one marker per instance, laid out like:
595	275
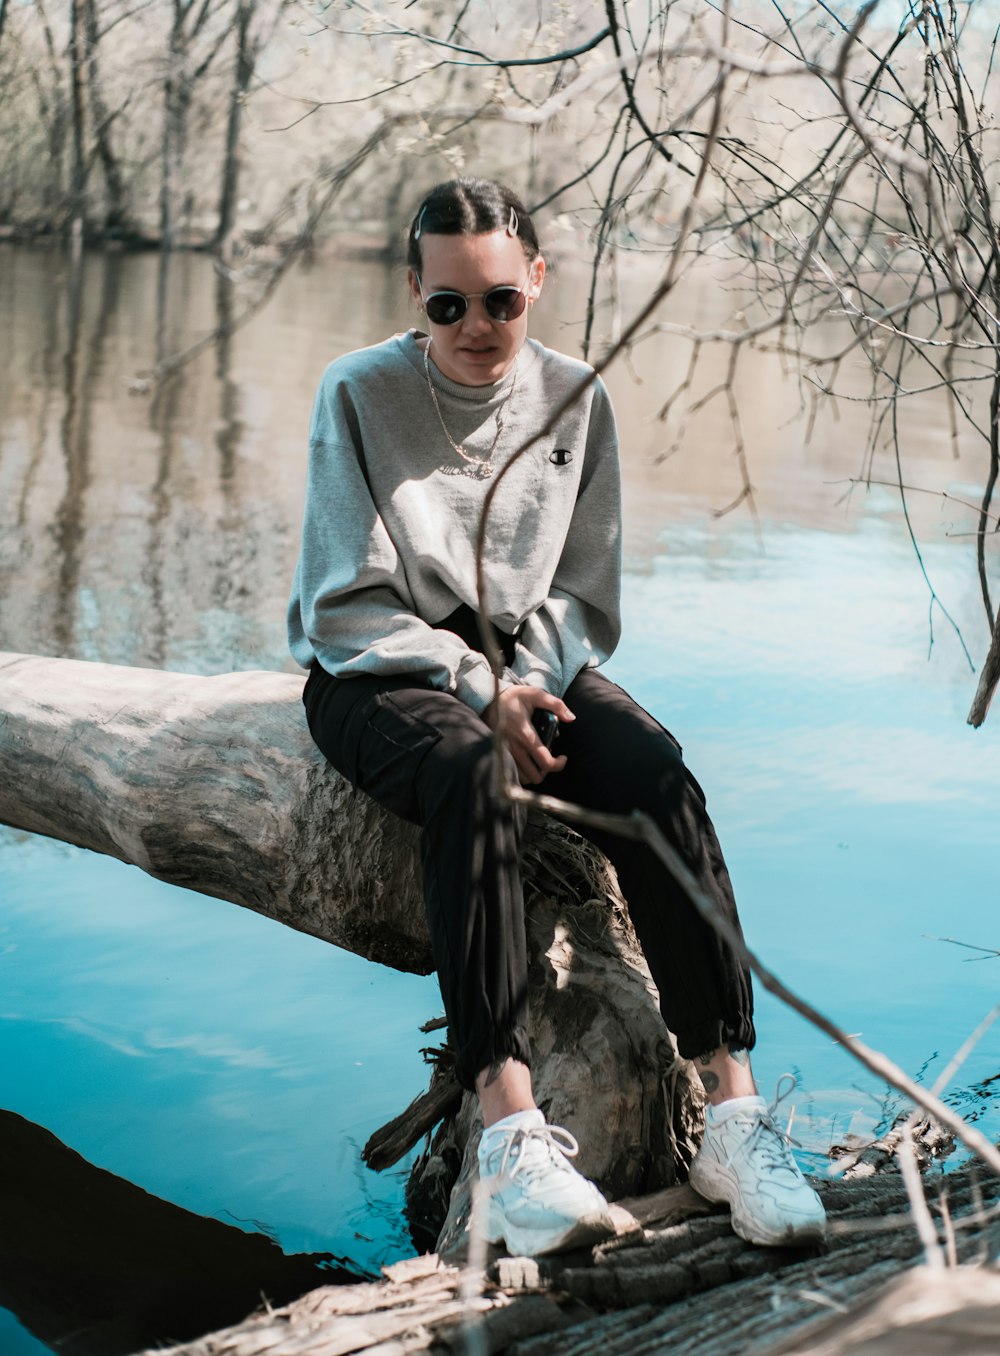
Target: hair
471	207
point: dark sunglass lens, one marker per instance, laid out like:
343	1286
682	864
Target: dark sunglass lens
444	308
505	303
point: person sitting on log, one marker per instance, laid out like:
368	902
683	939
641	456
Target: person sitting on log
405	438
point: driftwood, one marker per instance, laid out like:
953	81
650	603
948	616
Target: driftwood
677	1280
210	783
214	783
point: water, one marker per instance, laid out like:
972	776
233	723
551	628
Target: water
233	1067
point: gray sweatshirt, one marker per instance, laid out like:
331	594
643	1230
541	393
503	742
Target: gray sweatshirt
388	540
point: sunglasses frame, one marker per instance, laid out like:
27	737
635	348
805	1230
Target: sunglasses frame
466	297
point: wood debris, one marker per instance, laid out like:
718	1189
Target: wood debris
675	1279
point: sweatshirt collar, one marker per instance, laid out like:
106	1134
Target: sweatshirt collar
527	355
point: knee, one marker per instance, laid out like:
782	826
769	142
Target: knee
661	783
469	776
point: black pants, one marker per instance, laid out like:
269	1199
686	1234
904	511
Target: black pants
427	756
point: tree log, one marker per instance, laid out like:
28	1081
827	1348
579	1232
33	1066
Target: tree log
214	783
678	1280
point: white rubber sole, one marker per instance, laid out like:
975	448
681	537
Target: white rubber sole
579	1233
716	1185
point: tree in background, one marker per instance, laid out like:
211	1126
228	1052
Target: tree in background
253	29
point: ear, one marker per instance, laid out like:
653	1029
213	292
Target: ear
536	276
411	278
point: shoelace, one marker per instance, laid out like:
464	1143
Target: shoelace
773	1143
558	1143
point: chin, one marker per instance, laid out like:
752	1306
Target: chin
490	367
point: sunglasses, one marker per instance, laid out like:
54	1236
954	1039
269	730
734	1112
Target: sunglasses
500	303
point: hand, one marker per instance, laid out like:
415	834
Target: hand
533	760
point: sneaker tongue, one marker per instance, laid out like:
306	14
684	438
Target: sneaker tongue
496	1137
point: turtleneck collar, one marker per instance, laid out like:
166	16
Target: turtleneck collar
496	390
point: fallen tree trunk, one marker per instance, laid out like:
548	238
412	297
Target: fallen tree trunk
210	783
213	783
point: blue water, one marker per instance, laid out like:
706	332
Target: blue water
202	1050
857	810
235	1067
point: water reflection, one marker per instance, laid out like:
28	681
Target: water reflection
164	409
229	431
139	529
83	364
171	541
94	1266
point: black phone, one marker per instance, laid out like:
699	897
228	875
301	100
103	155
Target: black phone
547	725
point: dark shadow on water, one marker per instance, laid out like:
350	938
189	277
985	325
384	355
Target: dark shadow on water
92	1265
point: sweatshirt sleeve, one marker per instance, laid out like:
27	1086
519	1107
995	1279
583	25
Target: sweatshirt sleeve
350	606
579	624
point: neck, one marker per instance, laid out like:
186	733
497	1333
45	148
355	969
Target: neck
425	343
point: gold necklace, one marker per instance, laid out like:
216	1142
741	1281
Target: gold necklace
480	468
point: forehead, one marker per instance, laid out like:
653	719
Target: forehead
471	263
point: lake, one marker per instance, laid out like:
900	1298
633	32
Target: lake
233	1068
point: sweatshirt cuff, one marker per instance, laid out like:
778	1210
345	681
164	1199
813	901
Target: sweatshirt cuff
474	683
543	678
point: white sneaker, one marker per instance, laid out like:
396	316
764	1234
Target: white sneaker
745	1159
538	1202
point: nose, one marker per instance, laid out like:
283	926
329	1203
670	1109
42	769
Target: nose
477	319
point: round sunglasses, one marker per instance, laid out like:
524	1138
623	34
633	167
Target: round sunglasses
447	307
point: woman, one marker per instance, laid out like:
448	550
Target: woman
405	439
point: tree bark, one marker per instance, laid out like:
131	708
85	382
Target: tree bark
677	1280
116	220
54	114
988	680
175	104
246	60
78	173
214	783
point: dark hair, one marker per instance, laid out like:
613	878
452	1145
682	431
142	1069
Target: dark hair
471	207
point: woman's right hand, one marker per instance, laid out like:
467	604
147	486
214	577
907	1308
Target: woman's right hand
518	703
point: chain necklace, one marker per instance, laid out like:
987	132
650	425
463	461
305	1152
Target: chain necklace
479	468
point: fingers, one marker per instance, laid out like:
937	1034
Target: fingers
547	702
532	759
530	767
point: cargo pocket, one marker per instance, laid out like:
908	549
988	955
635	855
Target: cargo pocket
337	712
389	753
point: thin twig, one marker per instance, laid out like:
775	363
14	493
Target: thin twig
907	1159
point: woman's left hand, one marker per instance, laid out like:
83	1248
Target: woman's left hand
519	703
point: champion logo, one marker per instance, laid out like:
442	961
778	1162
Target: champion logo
561	456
